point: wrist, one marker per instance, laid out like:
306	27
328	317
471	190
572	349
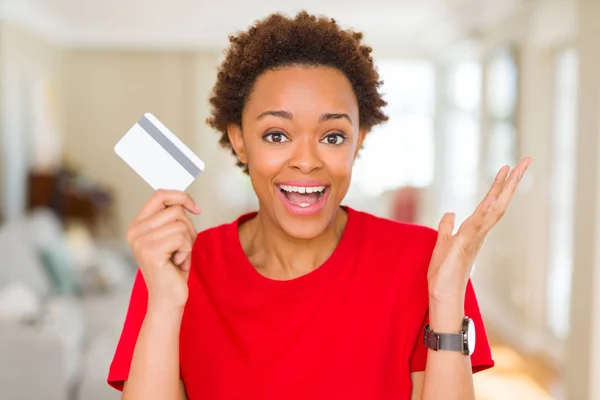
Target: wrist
446	317
165	311
446	292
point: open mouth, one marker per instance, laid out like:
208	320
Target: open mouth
302	196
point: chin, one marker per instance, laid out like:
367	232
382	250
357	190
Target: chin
305	228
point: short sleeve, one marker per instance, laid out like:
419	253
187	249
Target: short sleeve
119	368
481	358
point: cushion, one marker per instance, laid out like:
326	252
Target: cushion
18	303
20	259
58	265
47	235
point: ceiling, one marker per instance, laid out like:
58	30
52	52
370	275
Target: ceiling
389	24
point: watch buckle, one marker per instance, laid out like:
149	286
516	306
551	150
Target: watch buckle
430	337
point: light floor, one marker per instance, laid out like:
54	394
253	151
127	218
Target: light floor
516	377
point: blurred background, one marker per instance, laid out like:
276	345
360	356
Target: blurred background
471	85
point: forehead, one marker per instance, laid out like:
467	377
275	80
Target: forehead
303	90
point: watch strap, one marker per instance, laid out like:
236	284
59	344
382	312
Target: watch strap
443	341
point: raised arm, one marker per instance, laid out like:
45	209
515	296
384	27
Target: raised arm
448	374
161	237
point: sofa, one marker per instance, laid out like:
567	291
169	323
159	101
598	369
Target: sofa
63	300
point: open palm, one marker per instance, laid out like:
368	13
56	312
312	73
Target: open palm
454	255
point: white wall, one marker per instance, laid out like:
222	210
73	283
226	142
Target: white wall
106	92
583	366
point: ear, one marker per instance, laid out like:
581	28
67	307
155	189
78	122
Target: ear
361	137
237	142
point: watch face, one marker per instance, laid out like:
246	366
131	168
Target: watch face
471	339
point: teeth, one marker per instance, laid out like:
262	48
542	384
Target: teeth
302	189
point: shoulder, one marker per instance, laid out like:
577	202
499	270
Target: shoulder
387	232
214	234
215	241
396	247
401	253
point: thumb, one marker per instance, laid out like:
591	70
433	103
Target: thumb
186	264
444	238
446	227
180	257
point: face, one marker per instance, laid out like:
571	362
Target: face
299	137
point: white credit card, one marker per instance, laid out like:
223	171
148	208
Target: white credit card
158	156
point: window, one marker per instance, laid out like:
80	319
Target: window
562	189
401	151
461	134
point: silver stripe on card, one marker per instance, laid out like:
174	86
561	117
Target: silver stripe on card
169	147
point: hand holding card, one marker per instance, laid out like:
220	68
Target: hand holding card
162	235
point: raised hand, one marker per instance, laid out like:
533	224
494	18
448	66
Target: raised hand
454	255
161	237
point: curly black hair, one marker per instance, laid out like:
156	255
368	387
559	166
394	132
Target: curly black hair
278	41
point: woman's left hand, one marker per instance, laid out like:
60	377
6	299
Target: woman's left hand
454	255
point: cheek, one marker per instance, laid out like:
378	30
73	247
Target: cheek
340	165
267	160
264	163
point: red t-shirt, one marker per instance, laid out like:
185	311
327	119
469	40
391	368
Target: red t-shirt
351	329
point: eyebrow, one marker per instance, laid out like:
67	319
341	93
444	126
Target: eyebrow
330	116
289	116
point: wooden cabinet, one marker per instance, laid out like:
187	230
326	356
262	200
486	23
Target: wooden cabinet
72	197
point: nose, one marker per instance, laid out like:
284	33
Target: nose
306	157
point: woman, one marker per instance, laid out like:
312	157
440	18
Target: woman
303	299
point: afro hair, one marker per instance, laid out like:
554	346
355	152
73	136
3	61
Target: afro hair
278	41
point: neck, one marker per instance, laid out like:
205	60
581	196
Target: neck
279	256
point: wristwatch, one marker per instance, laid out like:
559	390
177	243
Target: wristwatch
464	341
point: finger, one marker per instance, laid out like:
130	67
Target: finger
170	239
183	254
446	227
494	190
164	198
474	229
172	228
471	229
178	245
154	221
498	208
518	173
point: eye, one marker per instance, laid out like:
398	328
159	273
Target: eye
275	137
334	139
